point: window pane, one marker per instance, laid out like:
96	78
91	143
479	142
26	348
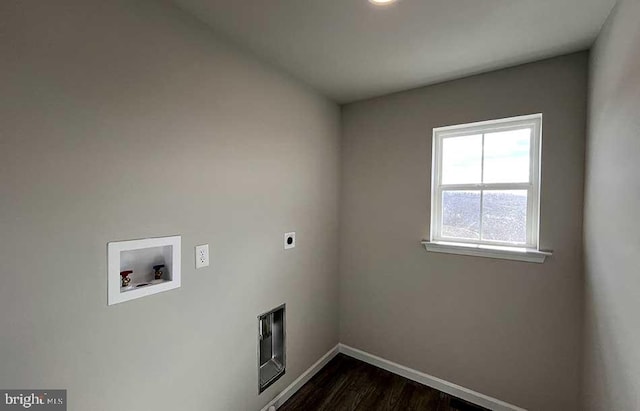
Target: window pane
506	156
461	159
461	214
504	216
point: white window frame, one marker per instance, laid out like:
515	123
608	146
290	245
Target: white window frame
532	187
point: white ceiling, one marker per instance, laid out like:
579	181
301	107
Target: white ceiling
351	49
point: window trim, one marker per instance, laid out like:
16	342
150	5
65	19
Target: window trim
533	186
503	253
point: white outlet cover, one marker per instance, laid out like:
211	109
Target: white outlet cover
202	256
289	240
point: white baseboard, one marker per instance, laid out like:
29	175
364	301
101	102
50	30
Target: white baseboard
301	380
428	380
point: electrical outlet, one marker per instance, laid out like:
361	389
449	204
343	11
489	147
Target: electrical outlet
289	240
202	256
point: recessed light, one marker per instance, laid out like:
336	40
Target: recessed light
382	2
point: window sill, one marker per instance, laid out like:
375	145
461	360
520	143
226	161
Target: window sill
504	253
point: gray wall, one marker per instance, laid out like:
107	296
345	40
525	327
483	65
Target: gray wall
511	330
612	224
129	119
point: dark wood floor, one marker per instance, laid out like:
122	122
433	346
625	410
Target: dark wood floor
347	384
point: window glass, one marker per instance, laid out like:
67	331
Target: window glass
506	156
461	214
462	159
504	216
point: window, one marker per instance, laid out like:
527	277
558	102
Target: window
486	183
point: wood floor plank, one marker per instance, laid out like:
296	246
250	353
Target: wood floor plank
361	385
386	393
347	384
445	403
417	397
323	387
